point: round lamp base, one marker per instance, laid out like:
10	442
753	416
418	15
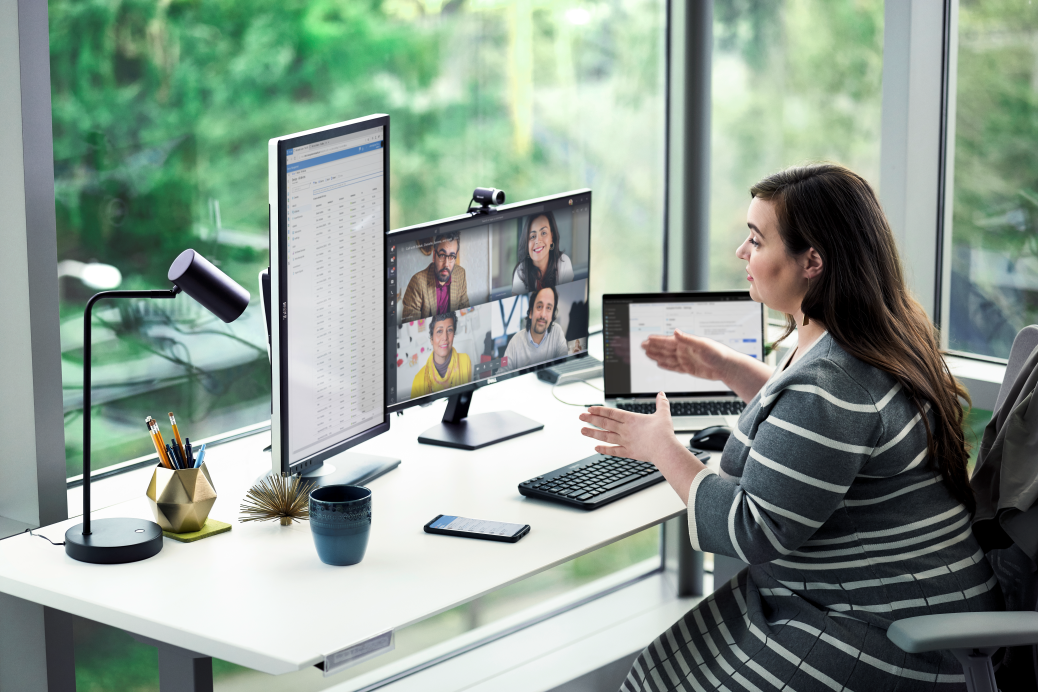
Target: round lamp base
114	541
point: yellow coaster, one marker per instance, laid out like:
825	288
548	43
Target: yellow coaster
210	528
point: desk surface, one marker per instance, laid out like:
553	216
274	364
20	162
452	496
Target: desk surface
259	596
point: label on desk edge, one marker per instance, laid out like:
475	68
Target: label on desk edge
358	653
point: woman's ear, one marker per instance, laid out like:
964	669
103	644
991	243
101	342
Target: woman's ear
812	264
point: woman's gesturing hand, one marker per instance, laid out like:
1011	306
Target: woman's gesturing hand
633	435
689	354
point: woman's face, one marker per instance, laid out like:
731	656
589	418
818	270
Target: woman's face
776	278
538	244
443	339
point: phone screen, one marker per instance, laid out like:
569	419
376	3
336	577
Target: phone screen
493	528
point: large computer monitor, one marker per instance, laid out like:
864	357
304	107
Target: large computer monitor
475	299
329	191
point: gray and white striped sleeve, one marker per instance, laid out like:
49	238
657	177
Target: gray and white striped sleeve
819	431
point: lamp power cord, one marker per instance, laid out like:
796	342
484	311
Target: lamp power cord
37	535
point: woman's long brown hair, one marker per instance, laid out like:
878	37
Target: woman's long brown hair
862	299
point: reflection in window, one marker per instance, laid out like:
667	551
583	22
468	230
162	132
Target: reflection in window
994	263
162	112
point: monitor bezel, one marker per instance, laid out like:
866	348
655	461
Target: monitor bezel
681	297
279	283
450	221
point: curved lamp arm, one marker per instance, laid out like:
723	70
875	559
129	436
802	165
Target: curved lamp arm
172	293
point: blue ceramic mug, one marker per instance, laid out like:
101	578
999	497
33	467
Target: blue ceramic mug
340	521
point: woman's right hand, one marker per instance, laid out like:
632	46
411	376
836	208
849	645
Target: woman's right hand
689	354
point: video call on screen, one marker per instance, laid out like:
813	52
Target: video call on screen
487	296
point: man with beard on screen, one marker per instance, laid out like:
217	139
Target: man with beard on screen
440	287
543	339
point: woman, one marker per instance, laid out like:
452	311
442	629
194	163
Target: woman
844	486
542	263
446	367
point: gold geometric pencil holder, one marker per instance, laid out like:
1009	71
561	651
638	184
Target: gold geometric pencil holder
181	499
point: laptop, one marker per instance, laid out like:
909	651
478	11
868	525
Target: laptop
632	379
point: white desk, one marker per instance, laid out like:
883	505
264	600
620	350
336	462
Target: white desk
216	597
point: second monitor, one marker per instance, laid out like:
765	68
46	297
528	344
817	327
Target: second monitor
473	300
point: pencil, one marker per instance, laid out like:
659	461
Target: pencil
176	434
162	445
155	440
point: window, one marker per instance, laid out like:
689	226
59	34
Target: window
162	111
793	83
994	234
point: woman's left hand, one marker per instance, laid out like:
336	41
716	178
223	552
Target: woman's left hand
638	436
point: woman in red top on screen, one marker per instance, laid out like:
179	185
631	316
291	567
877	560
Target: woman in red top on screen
542	263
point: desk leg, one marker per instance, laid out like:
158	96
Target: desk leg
35	647
684	564
181	670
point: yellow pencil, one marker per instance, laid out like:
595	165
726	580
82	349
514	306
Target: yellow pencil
176	436
155	440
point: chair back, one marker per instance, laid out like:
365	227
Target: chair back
1024	343
1015	571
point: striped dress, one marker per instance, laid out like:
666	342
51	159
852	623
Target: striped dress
824	491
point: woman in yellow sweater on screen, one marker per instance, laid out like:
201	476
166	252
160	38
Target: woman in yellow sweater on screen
446	367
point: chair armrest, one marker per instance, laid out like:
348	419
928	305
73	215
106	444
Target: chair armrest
964	631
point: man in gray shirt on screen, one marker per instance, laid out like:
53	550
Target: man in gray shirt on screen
543	339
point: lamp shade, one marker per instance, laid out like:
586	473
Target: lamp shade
203	281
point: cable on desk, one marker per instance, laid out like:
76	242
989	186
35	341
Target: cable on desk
570	403
29	531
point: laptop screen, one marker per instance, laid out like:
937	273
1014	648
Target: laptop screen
728	317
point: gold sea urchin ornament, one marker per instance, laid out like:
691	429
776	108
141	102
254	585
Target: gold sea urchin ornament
277	497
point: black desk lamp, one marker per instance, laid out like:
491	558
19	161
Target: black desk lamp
115	541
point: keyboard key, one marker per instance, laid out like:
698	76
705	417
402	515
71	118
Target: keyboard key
622	481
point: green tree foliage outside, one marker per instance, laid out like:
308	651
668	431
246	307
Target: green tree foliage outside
794	82
994	272
163	108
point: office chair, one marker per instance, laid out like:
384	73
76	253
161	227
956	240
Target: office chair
974	637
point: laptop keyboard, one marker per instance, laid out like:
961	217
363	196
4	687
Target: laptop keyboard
722	407
595	481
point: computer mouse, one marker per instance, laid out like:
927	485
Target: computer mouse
712	438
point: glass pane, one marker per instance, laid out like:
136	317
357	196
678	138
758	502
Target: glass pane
162	112
994	264
794	81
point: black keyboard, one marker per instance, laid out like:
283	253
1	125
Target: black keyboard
724	407
595	481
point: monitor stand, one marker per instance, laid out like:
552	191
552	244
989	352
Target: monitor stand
460	431
348	468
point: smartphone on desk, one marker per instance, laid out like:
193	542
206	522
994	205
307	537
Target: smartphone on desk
449	525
